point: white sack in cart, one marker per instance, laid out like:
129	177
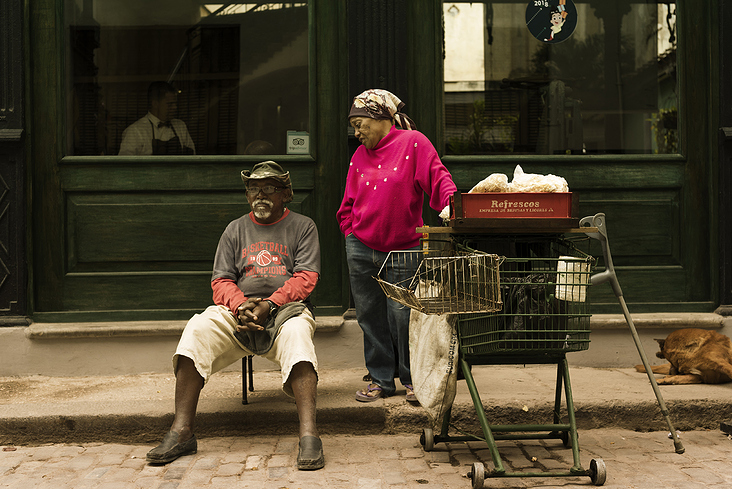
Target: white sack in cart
433	353
495	182
533	182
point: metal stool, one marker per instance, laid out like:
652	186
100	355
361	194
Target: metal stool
246	372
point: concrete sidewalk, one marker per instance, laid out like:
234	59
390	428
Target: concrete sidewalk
632	460
138	408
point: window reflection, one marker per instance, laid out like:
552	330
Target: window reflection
609	88
239	75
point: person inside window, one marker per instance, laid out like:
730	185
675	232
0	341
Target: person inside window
259	147
158	133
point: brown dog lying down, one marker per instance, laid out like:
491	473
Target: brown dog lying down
696	356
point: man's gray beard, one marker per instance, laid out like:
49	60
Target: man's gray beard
260	214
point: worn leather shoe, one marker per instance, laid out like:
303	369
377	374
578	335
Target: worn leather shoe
310	456
170	449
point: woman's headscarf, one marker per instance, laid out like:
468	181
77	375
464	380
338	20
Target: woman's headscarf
380	104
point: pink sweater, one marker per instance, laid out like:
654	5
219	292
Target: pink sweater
382	203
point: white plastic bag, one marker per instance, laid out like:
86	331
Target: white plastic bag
533	182
433	353
495	182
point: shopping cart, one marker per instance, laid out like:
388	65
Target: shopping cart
540	324
541	313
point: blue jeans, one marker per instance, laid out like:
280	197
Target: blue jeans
385	323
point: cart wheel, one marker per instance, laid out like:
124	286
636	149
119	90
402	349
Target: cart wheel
597	471
427	440
477	475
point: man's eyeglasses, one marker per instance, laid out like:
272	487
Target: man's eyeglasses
267	189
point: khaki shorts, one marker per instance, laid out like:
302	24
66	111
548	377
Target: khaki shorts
208	339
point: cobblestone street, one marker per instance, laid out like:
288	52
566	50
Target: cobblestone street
632	459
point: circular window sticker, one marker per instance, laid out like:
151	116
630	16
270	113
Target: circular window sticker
551	21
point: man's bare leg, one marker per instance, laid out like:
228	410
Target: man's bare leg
188	385
304	382
179	440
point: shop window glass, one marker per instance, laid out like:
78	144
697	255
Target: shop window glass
230	78
606	84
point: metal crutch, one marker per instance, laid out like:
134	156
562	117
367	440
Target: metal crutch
598	221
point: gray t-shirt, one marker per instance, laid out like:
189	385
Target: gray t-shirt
261	258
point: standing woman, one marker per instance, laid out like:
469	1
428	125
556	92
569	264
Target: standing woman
381	209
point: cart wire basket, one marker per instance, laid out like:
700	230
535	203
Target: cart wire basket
442	281
545	306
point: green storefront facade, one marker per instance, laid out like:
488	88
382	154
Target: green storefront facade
109	237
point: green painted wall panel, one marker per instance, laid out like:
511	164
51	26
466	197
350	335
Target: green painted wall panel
114	173
638	225
110	292
140	228
657	289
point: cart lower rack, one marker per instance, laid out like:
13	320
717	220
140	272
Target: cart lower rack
566	432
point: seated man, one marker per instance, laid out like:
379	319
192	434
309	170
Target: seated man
158	133
266	265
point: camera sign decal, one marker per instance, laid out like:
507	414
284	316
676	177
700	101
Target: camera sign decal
298	143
